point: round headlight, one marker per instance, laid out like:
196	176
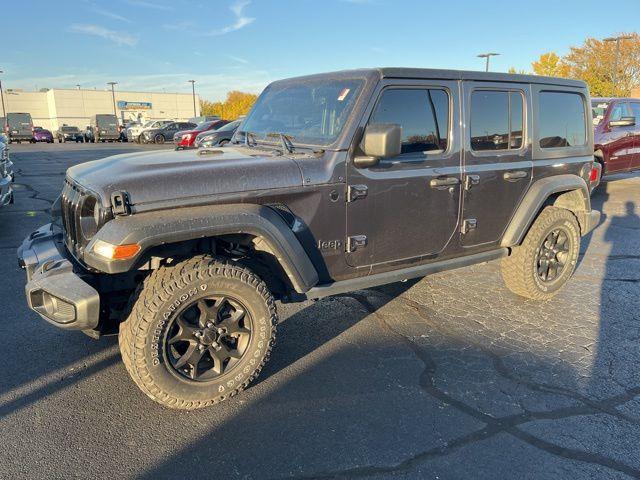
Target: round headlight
89	217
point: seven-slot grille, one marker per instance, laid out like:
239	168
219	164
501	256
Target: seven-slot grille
71	203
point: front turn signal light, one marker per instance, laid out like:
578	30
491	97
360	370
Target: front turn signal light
116	252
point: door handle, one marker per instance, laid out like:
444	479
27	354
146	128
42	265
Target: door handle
444	182
515	175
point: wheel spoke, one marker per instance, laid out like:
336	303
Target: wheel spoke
186	332
192	356
232	323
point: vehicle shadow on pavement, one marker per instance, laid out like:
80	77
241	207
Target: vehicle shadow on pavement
425	379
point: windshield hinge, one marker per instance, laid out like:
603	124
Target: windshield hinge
120	205
355	192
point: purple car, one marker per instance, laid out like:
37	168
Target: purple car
42	135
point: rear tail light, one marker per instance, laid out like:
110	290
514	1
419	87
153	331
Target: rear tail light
594	174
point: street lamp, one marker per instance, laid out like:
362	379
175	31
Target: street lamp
113	96
617	40
487	56
193	92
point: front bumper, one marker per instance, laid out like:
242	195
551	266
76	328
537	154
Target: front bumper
54	290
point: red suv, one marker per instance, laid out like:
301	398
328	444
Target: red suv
185	138
616	134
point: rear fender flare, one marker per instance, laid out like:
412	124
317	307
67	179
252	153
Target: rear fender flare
574	196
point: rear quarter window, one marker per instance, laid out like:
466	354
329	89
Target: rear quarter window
562	120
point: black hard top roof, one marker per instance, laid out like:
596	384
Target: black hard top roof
432	73
418	73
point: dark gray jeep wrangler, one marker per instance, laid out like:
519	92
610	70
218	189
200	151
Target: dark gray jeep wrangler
334	182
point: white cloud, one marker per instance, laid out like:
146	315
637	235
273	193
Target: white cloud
237	59
120	38
108	14
241	19
184	25
146	4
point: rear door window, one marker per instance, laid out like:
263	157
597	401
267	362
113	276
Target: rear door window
423	115
561	119
496	120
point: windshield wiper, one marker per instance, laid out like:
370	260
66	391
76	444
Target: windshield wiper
285	140
247	136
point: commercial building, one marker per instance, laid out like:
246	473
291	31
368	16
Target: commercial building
52	108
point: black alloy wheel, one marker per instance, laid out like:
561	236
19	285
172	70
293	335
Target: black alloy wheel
208	338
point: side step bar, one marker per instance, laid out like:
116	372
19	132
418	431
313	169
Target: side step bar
384	278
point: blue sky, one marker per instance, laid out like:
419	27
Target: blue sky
244	44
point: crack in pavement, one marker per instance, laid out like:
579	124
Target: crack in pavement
493	426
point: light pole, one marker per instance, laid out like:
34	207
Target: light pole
487	56
4	111
113	96
193	92
617	40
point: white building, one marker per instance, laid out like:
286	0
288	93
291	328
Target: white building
55	107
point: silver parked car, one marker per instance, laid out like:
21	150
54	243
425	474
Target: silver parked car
134	132
6	173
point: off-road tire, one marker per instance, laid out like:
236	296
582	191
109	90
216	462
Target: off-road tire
520	269
156	303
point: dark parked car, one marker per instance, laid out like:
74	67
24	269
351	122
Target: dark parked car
42	135
6	172
70	134
219	137
333	183
103	128
166	132
186	138
616	134
19	127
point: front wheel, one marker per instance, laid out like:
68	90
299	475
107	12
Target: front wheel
547	257
199	332
159	139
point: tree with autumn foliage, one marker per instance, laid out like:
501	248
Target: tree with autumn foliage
550	65
236	104
595	63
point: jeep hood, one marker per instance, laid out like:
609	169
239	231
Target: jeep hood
188	176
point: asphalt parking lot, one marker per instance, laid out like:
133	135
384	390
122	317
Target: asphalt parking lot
449	377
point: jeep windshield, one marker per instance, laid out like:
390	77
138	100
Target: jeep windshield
308	112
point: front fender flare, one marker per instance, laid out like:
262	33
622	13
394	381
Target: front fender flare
163	227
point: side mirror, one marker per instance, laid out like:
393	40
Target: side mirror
623	122
380	140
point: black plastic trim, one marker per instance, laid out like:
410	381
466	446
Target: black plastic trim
535	198
157	228
393	276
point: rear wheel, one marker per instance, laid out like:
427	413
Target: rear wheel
159	139
547	257
199	332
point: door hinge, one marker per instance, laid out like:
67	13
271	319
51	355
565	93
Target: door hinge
468	225
470	181
355	192
355	242
120	203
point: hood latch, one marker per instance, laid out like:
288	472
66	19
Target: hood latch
120	203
